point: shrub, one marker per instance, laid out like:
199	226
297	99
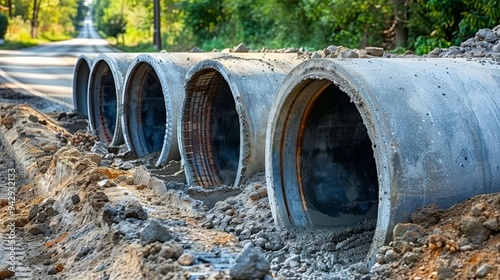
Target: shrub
4	23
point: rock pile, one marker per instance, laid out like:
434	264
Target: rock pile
457	243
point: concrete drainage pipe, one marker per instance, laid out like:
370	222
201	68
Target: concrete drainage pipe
81	75
356	140
104	97
224	116
152	101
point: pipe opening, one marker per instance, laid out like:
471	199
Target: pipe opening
149	108
211	130
336	174
105	90
82	70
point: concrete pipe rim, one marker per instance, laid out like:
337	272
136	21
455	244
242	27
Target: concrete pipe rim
104	102
294	103
81	77
145	69
231	176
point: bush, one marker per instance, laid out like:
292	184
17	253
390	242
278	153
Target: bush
4	23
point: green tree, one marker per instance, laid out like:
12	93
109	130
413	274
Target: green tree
4	23
115	26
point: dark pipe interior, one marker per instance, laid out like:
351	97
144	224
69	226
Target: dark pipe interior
336	165
81	87
107	102
226	134
152	109
211	129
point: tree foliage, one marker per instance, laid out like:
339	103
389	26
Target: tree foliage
4	23
52	19
404	24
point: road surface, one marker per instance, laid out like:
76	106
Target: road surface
47	70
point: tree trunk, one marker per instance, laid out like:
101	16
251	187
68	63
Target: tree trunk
9	5
400	8
34	18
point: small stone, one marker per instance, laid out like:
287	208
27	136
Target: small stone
171	251
110	214
196	50
349	54
33	212
483	270
361	268
390	256
223	206
374	51
6	273
100	267
446	273
250	264
186	259
134	209
155	231
209	224
486	35
262	192
408	232
477	209
51	271
474	230
50	148
332	49
241	48
95	158
316	55
59	267
8	122
254	196
41	217
491	224
75	199
410	258
83	252
40	229
106	183
130	180
33	118
50	211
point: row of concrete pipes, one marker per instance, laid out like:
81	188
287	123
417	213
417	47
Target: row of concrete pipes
341	141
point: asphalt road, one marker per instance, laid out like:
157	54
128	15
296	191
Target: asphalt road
47	70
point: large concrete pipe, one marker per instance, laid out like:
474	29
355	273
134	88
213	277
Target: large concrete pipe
224	116
152	101
107	77
356	140
81	75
